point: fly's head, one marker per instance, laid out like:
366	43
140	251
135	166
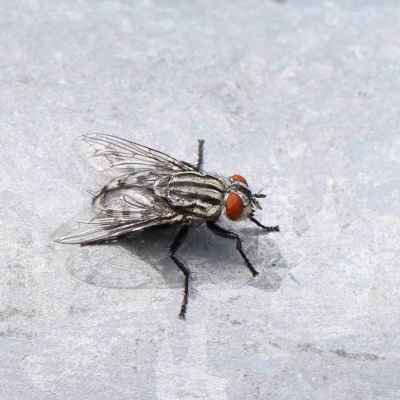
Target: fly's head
240	202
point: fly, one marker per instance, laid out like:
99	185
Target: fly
150	189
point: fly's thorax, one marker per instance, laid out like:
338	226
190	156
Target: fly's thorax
198	195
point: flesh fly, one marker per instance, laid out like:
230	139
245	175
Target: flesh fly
149	189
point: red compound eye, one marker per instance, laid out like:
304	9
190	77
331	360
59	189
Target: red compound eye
234	206
239	178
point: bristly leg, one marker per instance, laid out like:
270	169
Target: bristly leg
265	228
176	244
200	157
231	235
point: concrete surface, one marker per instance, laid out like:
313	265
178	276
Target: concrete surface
302	98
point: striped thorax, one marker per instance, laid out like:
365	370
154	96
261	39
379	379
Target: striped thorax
199	196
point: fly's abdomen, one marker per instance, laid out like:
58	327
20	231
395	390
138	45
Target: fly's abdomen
199	196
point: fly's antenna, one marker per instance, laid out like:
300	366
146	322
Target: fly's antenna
260	195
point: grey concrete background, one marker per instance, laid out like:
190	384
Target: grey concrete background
302	98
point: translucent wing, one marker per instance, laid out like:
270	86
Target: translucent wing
116	213
116	156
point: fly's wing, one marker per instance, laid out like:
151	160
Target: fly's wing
116	157
122	212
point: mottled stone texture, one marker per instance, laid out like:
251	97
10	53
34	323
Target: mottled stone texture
302	98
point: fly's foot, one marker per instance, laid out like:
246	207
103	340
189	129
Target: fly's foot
263	227
181	316
270	228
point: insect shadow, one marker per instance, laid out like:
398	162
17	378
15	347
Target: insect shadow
142	261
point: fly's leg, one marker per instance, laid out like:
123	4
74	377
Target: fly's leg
263	227
177	243
230	235
200	157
